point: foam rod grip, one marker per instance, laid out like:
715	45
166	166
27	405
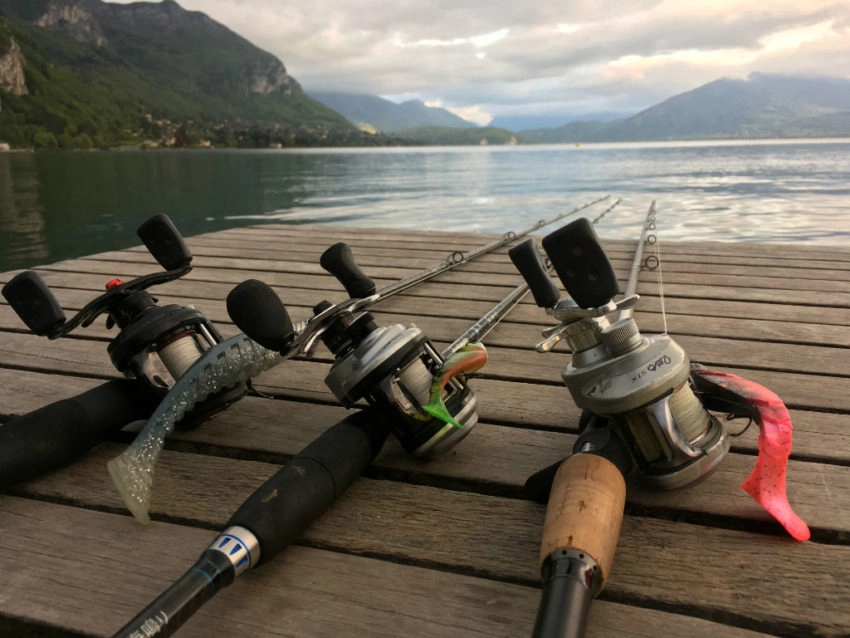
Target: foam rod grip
279	511
581	264
47	438
165	242
32	300
339	262
529	263
585	510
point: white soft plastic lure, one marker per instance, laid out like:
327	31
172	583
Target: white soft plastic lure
232	361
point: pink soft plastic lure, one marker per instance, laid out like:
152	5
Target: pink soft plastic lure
468	360
766	483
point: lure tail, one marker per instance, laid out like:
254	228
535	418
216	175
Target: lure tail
468	360
766	483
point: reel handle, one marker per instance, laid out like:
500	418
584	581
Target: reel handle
529	263
581	264
258	312
34	303
165	242
339	262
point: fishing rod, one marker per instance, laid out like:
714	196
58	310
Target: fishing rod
457	258
154	347
411	390
238	359
645	406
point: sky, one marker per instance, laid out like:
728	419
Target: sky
534	57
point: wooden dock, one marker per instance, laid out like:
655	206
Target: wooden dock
449	547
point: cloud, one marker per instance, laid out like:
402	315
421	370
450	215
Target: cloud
501	55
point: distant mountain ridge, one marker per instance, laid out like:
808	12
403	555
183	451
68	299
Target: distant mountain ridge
531	122
761	106
379	115
448	136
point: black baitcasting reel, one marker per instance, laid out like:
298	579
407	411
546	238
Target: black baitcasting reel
155	344
393	367
640	383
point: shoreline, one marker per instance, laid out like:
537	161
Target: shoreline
708	142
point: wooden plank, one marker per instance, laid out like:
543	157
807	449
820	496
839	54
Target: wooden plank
819	433
305	592
735	319
208	251
306	378
818	436
384	267
451	317
501	458
463	532
492	285
728	305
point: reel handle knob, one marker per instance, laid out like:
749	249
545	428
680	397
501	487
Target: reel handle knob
339	262
258	312
581	264
34	303
529	263
165	242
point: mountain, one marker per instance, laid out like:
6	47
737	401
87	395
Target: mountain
529	122
449	136
122	72
761	106
377	114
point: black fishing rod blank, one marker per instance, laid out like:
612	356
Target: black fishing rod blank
155	345
271	519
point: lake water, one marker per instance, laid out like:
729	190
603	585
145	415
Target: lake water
58	205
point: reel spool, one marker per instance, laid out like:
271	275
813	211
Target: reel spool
155	344
394	366
640	383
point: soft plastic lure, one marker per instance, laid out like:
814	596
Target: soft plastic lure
766	484
224	365
468	360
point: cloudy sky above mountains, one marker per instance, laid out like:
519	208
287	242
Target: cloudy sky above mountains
504	57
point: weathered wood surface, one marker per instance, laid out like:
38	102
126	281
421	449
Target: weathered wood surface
446	548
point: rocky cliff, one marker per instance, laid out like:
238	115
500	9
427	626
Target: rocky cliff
12	78
74	21
116	26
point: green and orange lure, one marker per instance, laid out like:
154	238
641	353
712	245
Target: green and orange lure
466	361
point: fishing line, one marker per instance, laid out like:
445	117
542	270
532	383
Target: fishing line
653	262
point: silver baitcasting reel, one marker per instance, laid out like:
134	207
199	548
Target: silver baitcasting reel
640	383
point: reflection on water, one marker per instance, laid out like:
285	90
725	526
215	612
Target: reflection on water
60	205
22	239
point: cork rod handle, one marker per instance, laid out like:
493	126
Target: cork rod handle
585	510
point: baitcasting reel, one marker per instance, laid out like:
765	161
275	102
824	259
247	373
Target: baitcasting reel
641	383
394	367
155	344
